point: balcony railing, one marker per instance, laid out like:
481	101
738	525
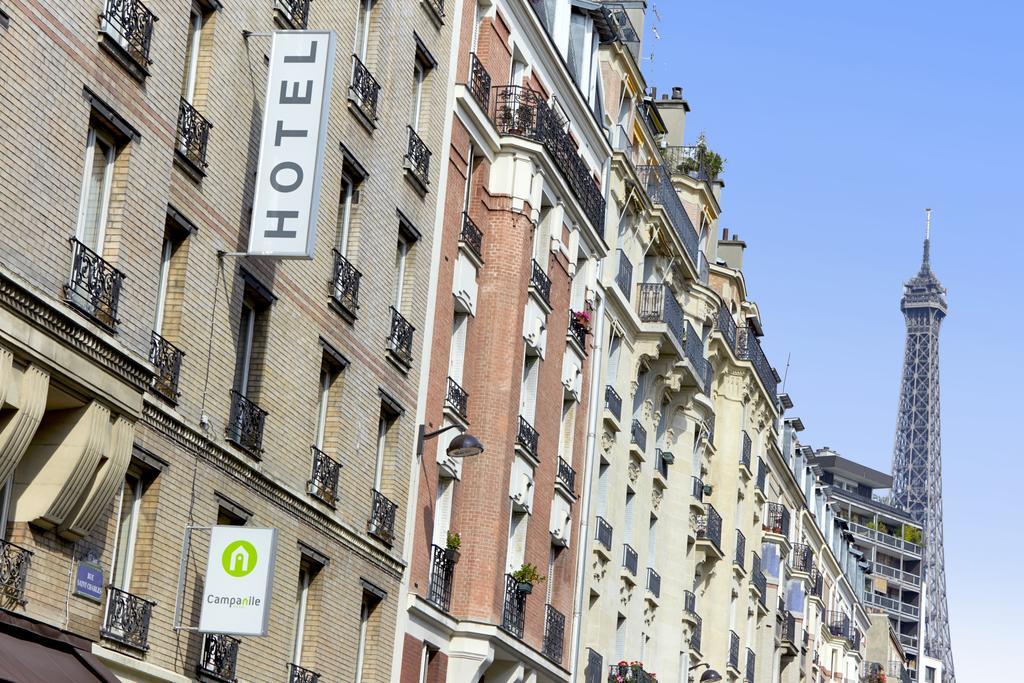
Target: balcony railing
457	398
514	614
14	565
612	401
689	603
654	582
657	304
400	337
417	158
622	29
471	236
595	667
167	359
296	674
541	283
688	160
693	349
296	12
94	286
638	435
788	628
801	559
734	650
726	326
898	574
566	475
527	437
245	424
634	673
365	90
745	448
661	460
885	538
762	474
758	579
709	526
741	549
658	184
749	348
323	478
554	633
697	489
219	657
382	517
437	6
131	24
817	582
345	283
624	275
524	112
479	83
629	558
748	675
193	134
442	572
776	519
838	624
578	329
603	533
695	636
127	619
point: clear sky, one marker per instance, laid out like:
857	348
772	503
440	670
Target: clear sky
840	123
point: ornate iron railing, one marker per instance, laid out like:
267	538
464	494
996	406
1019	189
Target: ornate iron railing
132	22
727	326
709	526
838	624
624	275
219	657
817	582
527	437
554	633
629	558
603	532
622	28
193	134
345	283
629	672
801	558
457	398
689	602
595	667
296	12
479	83
417	157
127	618
14	565
697	489
654	582
245	423
578	330
382	517
400	337
296	674
776	519
741	549
748	675
788	628
365	89
709	422
693	348
612	401
734	650
442	572
749	348
745	447
437	6
323	479
638	435
94	286
566	475
657	304
661	462
695	636
167	359
758	580
658	184
514	614
471	235
541	283
762	474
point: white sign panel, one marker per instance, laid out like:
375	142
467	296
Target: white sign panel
239	578
292	144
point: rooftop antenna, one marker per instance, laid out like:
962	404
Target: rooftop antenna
926	261
785	374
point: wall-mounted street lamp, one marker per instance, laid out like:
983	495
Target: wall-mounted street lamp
464	445
708	676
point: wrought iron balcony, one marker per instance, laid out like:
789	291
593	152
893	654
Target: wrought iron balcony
566	475
527	437
693	348
295	12
788	628
457	398
695	636
654	582
554	633
661	462
296	674
131	24
745	448
323	480
689	603
127	619
629	558
541	283
219	657
801	559
657	304
658	183
749	348
710	423
595	667
726	326
776	519
634	673
471	236
709	526
603	532
612	401
514	614
689	160
167	359
758	580
734	651
417	158
245	424
193	135
578	329
442	572
762	474
14	565
624	275
748	675
622	29
838	624
638	435
382	517
817	582
741	549
400	337
697	489
345	283
95	286
479	83
365	90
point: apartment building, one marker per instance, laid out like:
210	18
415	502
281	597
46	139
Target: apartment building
152	379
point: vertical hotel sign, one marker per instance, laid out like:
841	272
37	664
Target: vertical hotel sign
292	144
239	580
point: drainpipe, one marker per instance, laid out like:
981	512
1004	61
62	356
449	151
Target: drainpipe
596	389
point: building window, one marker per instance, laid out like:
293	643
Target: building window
252	335
305	630
100	153
369	637
328	406
419	75
364	17
167	317
528	390
429	664
457	355
401	263
126	532
194	49
517	540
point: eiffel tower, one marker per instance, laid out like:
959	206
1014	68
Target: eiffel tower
917	456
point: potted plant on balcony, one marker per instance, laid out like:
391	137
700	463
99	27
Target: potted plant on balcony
452	545
582	319
525	577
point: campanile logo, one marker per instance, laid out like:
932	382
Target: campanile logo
239	558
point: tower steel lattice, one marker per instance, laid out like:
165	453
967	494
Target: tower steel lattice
917	456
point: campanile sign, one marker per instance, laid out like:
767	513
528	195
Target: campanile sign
292	144
239	579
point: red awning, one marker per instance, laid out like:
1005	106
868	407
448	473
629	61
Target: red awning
34	652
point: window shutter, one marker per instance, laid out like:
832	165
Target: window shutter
457	358
443	511
628	525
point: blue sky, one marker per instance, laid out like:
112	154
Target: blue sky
840	123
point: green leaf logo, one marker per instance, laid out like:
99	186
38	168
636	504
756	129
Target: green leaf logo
239	558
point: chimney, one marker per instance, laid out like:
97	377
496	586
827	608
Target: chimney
677	92
731	250
673	112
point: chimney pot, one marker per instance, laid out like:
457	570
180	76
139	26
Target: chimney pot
725	233
654	93
677	93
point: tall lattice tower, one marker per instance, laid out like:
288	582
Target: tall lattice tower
917	457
